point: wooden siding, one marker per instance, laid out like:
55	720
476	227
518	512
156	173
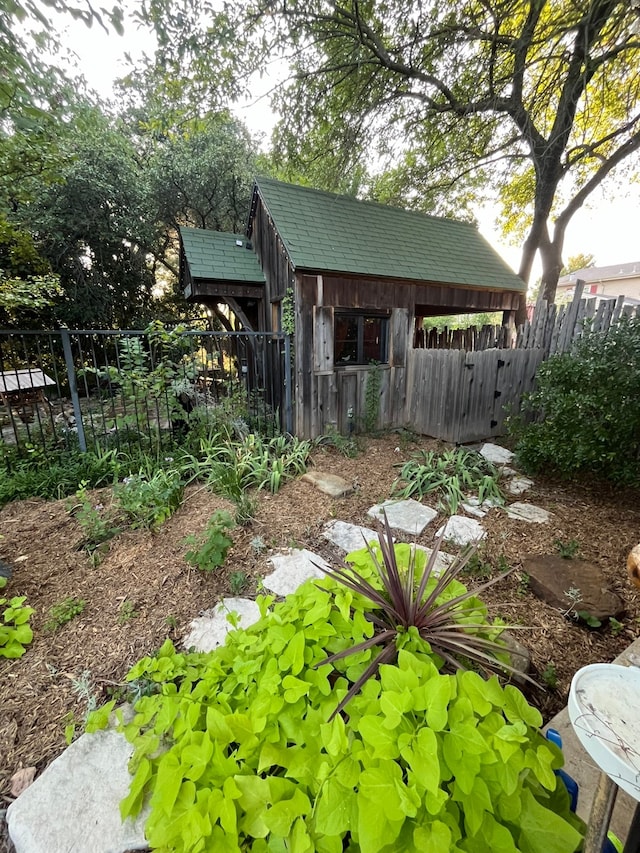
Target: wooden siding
273	257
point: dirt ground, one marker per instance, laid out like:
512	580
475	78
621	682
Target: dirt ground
143	590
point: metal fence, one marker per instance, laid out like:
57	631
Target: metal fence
93	388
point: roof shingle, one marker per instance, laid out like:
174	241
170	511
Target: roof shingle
217	255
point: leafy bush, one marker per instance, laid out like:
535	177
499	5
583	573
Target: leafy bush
149	500
586	409
453	475
238	749
15	631
208	551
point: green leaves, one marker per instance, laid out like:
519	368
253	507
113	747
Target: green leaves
15	631
210	550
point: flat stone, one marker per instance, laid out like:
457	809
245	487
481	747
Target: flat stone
528	512
496	454
519	485
520	657
409	516
74	804
348	537
209	631
442	562
552	578
462	530
472	507
292	569
328	484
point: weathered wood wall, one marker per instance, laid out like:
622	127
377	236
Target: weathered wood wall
274	260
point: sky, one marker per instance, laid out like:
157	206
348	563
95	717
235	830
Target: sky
608	228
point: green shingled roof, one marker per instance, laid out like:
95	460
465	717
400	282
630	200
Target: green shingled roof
324	231
217	255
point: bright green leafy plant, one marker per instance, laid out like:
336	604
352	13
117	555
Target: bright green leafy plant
453	475
149	500
209	551
242	749
15	631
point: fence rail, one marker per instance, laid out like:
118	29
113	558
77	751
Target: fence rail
104	388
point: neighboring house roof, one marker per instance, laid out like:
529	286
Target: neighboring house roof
596	274
20	380
219	255
337	233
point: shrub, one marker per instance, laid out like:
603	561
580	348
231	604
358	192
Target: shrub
149	500
239	749
586	409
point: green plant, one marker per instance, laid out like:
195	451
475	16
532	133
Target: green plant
288	317
616	626
238	582
347	445
246	508
584	415
15	631
258	545
236	749
453	475
524	582
372	397
64	611
95	521
567	550
550	675
127	612
591	620
171	622
209	551
149	500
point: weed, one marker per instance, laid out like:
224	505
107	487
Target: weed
258	545
208	551
245	510
591	620
524	582
477	567
149	500
616	626
567	550
64	611
348	446
171	622
238	582
127	612
96	523
550	676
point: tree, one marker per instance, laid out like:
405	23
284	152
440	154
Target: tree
581	261
537	99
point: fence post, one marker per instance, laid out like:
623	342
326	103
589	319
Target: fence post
73	388
288	408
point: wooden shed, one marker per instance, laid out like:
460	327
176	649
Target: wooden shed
353	281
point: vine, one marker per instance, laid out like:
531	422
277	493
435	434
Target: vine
288	319
372	397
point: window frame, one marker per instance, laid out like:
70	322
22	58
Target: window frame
361	317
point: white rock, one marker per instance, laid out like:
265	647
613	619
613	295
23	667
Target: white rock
349	537
528	512
506	471
74	804
462	530
473	508
496	454
409	516
292	569
518	485
209	631
442	562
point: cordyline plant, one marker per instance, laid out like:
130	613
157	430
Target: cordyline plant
401	604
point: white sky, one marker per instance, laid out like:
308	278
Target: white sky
609	229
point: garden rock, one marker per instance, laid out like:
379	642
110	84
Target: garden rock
462	530
328	484
408	516
74	804
442	561
209	631
520	658
528	512
292	569
496	454
348	537
472	506
571	585
519	485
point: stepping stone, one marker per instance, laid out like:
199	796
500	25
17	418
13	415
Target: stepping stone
571	585
528	512
496	454
520	657
74	804
409	516
209	631
518	485
443	561
328	484
462	530
292	569
349	537
474	507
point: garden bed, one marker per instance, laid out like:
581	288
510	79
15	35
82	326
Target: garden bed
143	590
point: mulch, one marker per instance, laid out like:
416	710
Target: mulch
65	671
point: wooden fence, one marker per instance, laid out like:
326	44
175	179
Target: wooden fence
463	396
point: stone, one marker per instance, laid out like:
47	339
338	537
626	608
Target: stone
442	561
328	484
474	509
571	586
520	657
462	530
74	804
496	454
292	569
528	512
518	485
408	516
349	537
209	631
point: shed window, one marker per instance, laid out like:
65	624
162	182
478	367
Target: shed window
361	338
